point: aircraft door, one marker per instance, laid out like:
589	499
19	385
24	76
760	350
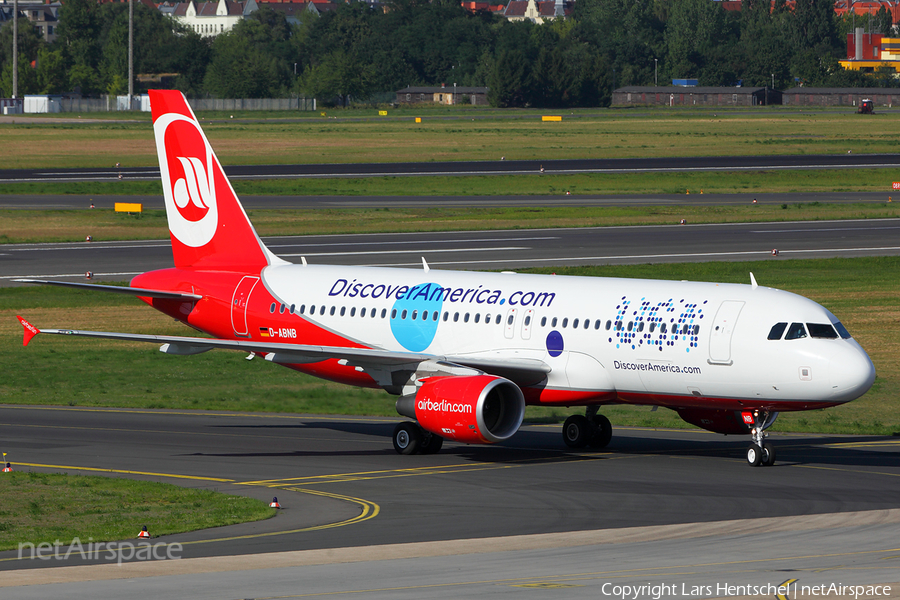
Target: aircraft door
239	303
511	323
527	323
722	330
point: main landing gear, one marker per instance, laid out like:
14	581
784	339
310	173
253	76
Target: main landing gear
759	452
409	438
589	430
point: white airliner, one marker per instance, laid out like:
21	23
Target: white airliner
465	352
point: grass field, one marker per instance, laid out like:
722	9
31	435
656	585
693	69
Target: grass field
78	372
22	226
44	508
459	135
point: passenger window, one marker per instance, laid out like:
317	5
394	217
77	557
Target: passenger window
587	323
685	329
696	329
618	325
641	326
331	312
353	311
322	310
293	306
565	322
509	320
652	327
446	316
822	330
466	318
362	312
553	322
608	325
527	320
455	317
281	309
383	313
343	310
434	317
630	325
394	313
543	321
498	320
272	308
477	317
574	324
842	331
795	332
415	313
403	314
662	328
777	330
597	324
302	308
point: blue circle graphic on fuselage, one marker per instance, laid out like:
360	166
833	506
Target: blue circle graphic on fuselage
418	313
554	343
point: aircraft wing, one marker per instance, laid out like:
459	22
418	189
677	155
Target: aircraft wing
524	371
117	289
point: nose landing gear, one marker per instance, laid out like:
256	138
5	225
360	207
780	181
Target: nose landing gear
759	452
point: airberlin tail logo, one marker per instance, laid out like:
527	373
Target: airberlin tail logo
187	168
191	192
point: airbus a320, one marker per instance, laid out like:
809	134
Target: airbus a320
465	352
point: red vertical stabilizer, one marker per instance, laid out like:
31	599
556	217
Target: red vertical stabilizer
208	225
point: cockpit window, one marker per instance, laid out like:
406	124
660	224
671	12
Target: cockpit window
777	331
795	332
842	331
822	330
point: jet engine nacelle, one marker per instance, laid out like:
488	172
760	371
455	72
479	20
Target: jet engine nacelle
715	420
477	409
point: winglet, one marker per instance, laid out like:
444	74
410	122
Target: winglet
30	330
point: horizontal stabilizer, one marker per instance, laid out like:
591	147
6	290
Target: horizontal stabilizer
117	289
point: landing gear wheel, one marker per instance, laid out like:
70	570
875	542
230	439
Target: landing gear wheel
577	431
431	444
768	455
407	438
754	455
602	432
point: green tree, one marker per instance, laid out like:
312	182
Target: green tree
239	70
51	71
338	79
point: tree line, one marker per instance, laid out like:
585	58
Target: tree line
359	50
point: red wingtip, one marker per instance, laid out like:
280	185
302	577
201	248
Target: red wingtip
30	330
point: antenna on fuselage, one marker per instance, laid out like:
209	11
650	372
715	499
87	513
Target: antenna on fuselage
303	260
425	265
753	281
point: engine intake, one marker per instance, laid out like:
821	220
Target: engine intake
477	409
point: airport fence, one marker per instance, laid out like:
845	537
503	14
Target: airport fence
112	103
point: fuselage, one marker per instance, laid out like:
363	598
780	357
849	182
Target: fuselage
668	343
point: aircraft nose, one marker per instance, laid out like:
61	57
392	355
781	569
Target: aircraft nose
851	372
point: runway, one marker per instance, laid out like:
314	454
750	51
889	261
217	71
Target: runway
505	250
151	202
470	519
480	168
